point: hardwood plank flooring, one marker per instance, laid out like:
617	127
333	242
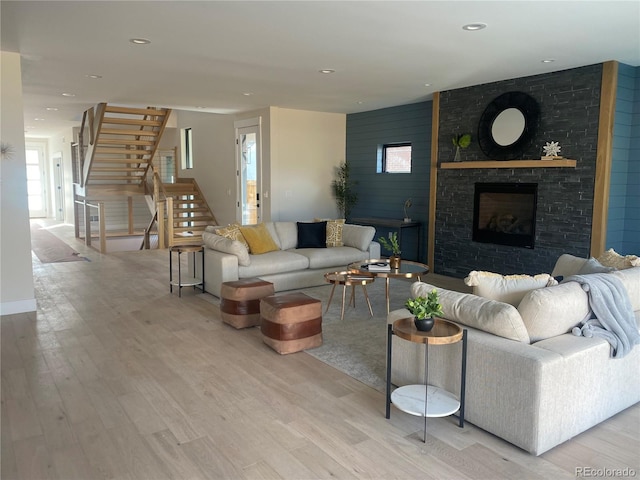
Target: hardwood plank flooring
115	378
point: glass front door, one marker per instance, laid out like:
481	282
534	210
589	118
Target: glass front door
248	164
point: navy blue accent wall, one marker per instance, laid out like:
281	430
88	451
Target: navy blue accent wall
383	195
623	227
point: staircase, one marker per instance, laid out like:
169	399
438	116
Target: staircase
188	213
121	143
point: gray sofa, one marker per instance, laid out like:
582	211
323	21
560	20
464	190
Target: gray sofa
530	380
289	267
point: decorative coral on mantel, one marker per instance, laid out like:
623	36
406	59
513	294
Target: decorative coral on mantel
551	151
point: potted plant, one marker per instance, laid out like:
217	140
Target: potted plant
424	309
462	140
393	246
343	190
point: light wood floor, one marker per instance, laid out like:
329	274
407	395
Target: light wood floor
115	378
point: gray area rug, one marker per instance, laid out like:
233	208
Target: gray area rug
357	345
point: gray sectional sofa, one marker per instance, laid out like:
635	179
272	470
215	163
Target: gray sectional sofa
288	267
530	380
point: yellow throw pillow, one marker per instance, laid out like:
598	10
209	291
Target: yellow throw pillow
259	239
232	232
334	231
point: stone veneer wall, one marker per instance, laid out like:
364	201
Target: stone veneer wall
569	104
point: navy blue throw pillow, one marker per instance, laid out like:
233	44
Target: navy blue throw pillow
312	235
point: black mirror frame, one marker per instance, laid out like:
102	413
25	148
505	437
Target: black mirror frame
531	112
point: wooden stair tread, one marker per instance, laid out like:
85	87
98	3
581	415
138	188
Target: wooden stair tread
118	169
124	142
118	160
135	111
131	121
122	131
122	151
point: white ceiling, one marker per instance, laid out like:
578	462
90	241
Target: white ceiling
210	53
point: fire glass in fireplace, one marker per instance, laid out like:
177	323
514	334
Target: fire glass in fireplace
505	213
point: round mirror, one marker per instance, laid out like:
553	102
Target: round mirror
507	126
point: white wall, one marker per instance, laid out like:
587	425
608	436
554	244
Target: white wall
16	274
305	149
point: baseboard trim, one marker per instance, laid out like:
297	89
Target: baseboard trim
22	306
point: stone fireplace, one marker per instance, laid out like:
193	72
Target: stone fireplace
569	114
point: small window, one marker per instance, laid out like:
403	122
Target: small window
396	158
187	148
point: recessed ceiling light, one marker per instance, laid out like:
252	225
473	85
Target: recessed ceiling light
200	107
548	60
359	102
472	27
52	109
327	70
140	41
37	119
427	84
247	94
94	77
68	94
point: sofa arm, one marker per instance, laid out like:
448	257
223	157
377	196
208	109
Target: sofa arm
374	250
218	268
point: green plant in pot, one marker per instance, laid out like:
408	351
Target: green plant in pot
424	309
393	246
461	140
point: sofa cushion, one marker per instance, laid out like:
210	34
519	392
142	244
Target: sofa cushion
567	265
506	288
357	236
334	231
259	239
338	257
547	312
287	233
491	316
278	261
611	258
312	235
593	266
630	278
232	232
226	245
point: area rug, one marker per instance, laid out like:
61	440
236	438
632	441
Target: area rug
357	345
49	248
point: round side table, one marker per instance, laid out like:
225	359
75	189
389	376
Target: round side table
195	281
426	400
347	279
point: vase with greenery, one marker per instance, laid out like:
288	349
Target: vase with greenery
424	310
407	206
393	246
461	140
343	189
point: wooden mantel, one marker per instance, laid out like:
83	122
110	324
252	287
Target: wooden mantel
563	162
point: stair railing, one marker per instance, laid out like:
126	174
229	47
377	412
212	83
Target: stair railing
95	123
154	148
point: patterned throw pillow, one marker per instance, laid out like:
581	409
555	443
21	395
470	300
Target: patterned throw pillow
232	232
611	258
334	231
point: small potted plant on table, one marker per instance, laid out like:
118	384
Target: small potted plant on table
392	245
424	309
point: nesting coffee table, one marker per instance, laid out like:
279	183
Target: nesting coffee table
408	269
347	279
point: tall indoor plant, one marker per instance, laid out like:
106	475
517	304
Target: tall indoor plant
343	189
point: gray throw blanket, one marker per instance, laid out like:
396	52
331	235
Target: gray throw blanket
615	320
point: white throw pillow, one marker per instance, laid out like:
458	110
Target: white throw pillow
357	236
549	312
568	265
226	245
506	288
493	317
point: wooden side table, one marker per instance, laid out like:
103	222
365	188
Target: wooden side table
347	279
195	281
427	400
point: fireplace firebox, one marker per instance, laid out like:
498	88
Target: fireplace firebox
505	213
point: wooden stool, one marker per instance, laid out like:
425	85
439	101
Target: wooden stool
191	282
240	301
291	322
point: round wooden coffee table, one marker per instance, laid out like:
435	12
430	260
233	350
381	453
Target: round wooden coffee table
347	279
